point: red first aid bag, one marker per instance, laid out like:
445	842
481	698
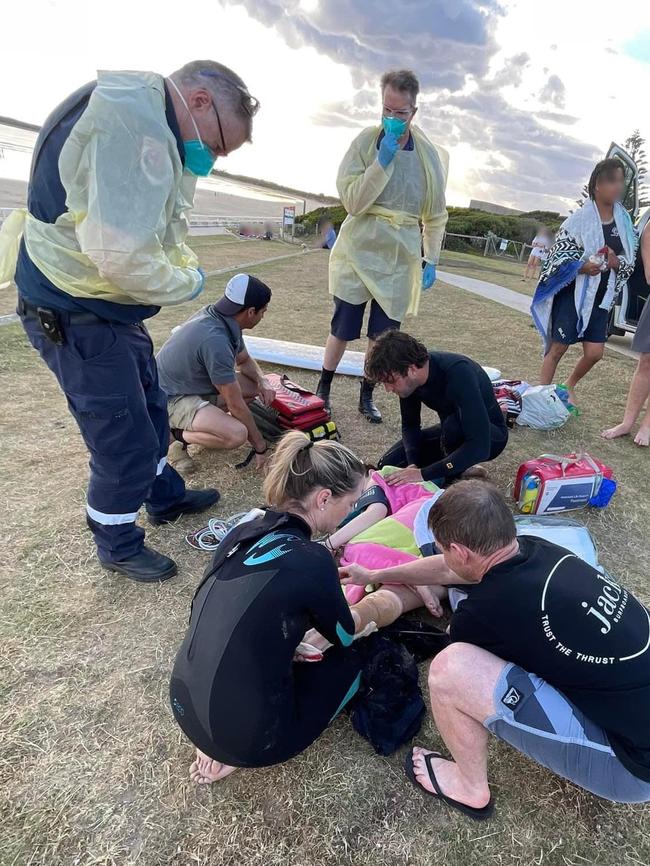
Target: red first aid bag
297	407
552	483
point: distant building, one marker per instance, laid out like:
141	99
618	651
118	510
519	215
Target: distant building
488	207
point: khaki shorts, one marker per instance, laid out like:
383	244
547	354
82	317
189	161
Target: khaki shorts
183	409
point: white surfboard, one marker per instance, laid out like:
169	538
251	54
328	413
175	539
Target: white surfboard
286	354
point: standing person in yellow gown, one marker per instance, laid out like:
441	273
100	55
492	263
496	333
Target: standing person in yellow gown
391	181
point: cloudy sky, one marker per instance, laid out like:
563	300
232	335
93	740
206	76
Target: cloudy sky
526	97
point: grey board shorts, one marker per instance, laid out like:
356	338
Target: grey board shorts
541	723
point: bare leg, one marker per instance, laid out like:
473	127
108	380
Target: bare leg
382	607
637	395
552	358
385	605
591	355
204	770
214	428
530	265
461	685
248	386
643	435
334	349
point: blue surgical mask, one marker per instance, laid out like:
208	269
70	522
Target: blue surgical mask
394	126
199	158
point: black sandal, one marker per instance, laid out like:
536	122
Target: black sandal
470	811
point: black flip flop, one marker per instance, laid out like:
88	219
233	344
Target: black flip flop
475	814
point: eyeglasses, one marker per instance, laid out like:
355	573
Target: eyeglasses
403	114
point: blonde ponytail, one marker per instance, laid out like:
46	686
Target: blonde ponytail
299	466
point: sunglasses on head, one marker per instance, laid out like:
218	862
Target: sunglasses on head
249	103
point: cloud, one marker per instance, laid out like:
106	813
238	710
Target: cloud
346	113
451	45
534	161
445	41
511	73
553	91
557	117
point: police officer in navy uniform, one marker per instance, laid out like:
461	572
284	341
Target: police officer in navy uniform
103	248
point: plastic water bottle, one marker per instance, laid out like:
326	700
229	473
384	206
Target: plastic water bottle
527	502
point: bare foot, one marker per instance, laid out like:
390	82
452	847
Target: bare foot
615	432
204	770
642	437
572	397
450	780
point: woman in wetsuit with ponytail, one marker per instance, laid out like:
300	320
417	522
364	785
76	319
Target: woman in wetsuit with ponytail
235	690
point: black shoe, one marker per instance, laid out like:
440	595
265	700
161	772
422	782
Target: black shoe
148	566
367	404
193	502
323	391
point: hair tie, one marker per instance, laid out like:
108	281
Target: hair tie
309	445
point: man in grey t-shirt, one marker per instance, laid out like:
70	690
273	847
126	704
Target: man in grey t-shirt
210	378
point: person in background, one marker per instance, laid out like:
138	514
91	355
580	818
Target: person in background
640	385
327	234
539	253
210	378
111	188
590	261
236	690
391	178
472	427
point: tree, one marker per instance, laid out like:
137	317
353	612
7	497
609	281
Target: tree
584	195
634	145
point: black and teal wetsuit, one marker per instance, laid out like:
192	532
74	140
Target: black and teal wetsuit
235	689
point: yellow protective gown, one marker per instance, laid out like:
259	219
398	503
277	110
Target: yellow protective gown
378	250
122	237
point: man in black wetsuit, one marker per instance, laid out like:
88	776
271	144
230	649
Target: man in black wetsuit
472	427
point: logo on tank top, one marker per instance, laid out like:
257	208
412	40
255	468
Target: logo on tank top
587	624
281	547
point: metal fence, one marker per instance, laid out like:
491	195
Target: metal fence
492	245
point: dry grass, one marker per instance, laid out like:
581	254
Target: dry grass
92	766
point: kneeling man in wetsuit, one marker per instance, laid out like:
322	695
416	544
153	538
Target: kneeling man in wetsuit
472	427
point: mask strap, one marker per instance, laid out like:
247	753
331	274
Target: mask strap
196	129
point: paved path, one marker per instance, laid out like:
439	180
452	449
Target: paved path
520	302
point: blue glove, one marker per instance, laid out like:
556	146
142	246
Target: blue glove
387	150
428	276
200	286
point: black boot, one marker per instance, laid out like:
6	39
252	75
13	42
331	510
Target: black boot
147	566
193	502
323	391
367	404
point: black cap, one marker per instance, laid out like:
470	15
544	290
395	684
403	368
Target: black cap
243	291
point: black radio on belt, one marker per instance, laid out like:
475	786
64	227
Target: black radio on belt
50	325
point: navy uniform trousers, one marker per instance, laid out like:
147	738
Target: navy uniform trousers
107	372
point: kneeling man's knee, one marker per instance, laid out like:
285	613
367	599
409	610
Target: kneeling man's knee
448	667
237	436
